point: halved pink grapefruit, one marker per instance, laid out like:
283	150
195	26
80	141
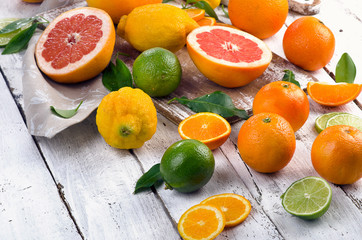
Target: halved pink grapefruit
77	45
228	56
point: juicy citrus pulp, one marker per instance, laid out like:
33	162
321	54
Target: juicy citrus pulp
195	13
321	121
201	222
227	56
308	198
236	208
209	128
345	119
157	72
126	118
207	21
187	165
77	45
333	94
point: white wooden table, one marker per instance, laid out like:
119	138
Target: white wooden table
75	186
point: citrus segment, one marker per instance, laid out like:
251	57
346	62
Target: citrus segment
227	56
321	121
333	94
195	13
201	222
236	208
308	198
76	46
345	119
207	21
6	37
209	128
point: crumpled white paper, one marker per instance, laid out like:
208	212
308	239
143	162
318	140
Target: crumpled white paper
50	4
40	93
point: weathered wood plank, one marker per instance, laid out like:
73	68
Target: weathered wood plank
30	205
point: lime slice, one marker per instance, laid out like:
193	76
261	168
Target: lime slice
345	119
321	121
308	198
5	37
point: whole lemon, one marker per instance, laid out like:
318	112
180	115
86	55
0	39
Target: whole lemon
117	8
156	25
126	118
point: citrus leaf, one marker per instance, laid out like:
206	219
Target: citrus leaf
208	9
117	76
290	77
65	113
11	27
217	102
225	11
20	40
345	69
149	178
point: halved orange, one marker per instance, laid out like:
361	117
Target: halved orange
333	94
195	13
235	207
209	128
201	222
206	21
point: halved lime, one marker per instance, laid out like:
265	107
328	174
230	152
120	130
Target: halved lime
5	37
308	198
321	121
345	119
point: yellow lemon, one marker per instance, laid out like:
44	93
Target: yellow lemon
156	25
213	3
126	118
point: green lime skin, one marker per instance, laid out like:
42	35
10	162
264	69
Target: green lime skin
187	165
157	72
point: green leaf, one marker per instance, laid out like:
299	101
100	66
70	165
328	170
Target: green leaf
148	179
16	25
216	102
290	77
65	113
345	69
117	76
225	11
209	11
166	1
20	40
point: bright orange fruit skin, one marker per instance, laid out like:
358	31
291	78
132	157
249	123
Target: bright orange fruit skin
261	18
337	154
285	99
333	94
308	43
266	142
207	21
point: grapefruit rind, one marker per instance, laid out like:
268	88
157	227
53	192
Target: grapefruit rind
89	65
226	73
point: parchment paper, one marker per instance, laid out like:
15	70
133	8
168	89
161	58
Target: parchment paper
40	93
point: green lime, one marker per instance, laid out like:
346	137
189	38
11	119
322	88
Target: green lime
157	72
187	165
308	198
5	37
321	121
345	119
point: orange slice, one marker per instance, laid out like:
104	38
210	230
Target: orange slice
207	21
195	13
225	25
77	45
209	128
236	208
201	222
333	94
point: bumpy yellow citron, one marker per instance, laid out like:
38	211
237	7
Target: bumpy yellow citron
126	118
156	25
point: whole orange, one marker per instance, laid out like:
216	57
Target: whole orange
308	43
266	142
337	154
117	8
285	99
261	18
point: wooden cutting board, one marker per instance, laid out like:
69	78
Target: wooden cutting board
194	84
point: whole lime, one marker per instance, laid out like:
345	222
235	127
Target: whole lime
187	165
157	72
